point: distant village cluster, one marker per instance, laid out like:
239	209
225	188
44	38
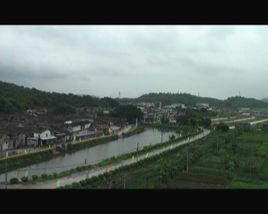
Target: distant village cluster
38	128
171	113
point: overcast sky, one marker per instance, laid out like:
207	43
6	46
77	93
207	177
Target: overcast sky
216	61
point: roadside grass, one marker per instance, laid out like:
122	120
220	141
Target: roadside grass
237	184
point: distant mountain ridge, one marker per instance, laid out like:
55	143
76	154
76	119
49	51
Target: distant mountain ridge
190	100
18	98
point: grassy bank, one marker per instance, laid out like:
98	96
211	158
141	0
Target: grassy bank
134	130
25	160
90	143
107	161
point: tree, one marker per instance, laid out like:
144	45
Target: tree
129	112
172	137
222	127
206	122
64	109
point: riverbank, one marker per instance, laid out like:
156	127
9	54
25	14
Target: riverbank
104	165
23	160
134	130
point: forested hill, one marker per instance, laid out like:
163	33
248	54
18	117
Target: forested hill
17	98
265	100
171	98
190	100
236	102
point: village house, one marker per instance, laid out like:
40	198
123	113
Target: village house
114	129
202	105
45	138
81	129
3	142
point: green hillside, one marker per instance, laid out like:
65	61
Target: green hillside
265	100
18	98
190	100
171	98
236	102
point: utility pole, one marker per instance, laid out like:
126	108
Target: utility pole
161	136
137	150
124	181
187	162
6	170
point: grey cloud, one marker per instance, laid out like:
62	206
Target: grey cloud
102	60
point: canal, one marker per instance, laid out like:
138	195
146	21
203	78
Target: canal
92	155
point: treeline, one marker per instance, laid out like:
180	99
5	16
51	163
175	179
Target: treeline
197	118
236	102
171	98
18	98
191	100
194	118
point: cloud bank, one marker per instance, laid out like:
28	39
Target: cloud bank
215	61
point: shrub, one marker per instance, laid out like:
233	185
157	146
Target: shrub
34	177
76	185
222	127
14	181
24	179
44	176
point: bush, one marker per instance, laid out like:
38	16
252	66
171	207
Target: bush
34	177
44	176
76	185
222	127
14	181
24	179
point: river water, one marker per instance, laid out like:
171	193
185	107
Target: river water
91	155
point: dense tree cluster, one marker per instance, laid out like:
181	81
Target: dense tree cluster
222	127
129	112
194	117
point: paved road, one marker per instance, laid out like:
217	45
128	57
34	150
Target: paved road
239	120
252	123
258	121
219	119
76	177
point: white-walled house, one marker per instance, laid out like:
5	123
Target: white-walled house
45	137
3	142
